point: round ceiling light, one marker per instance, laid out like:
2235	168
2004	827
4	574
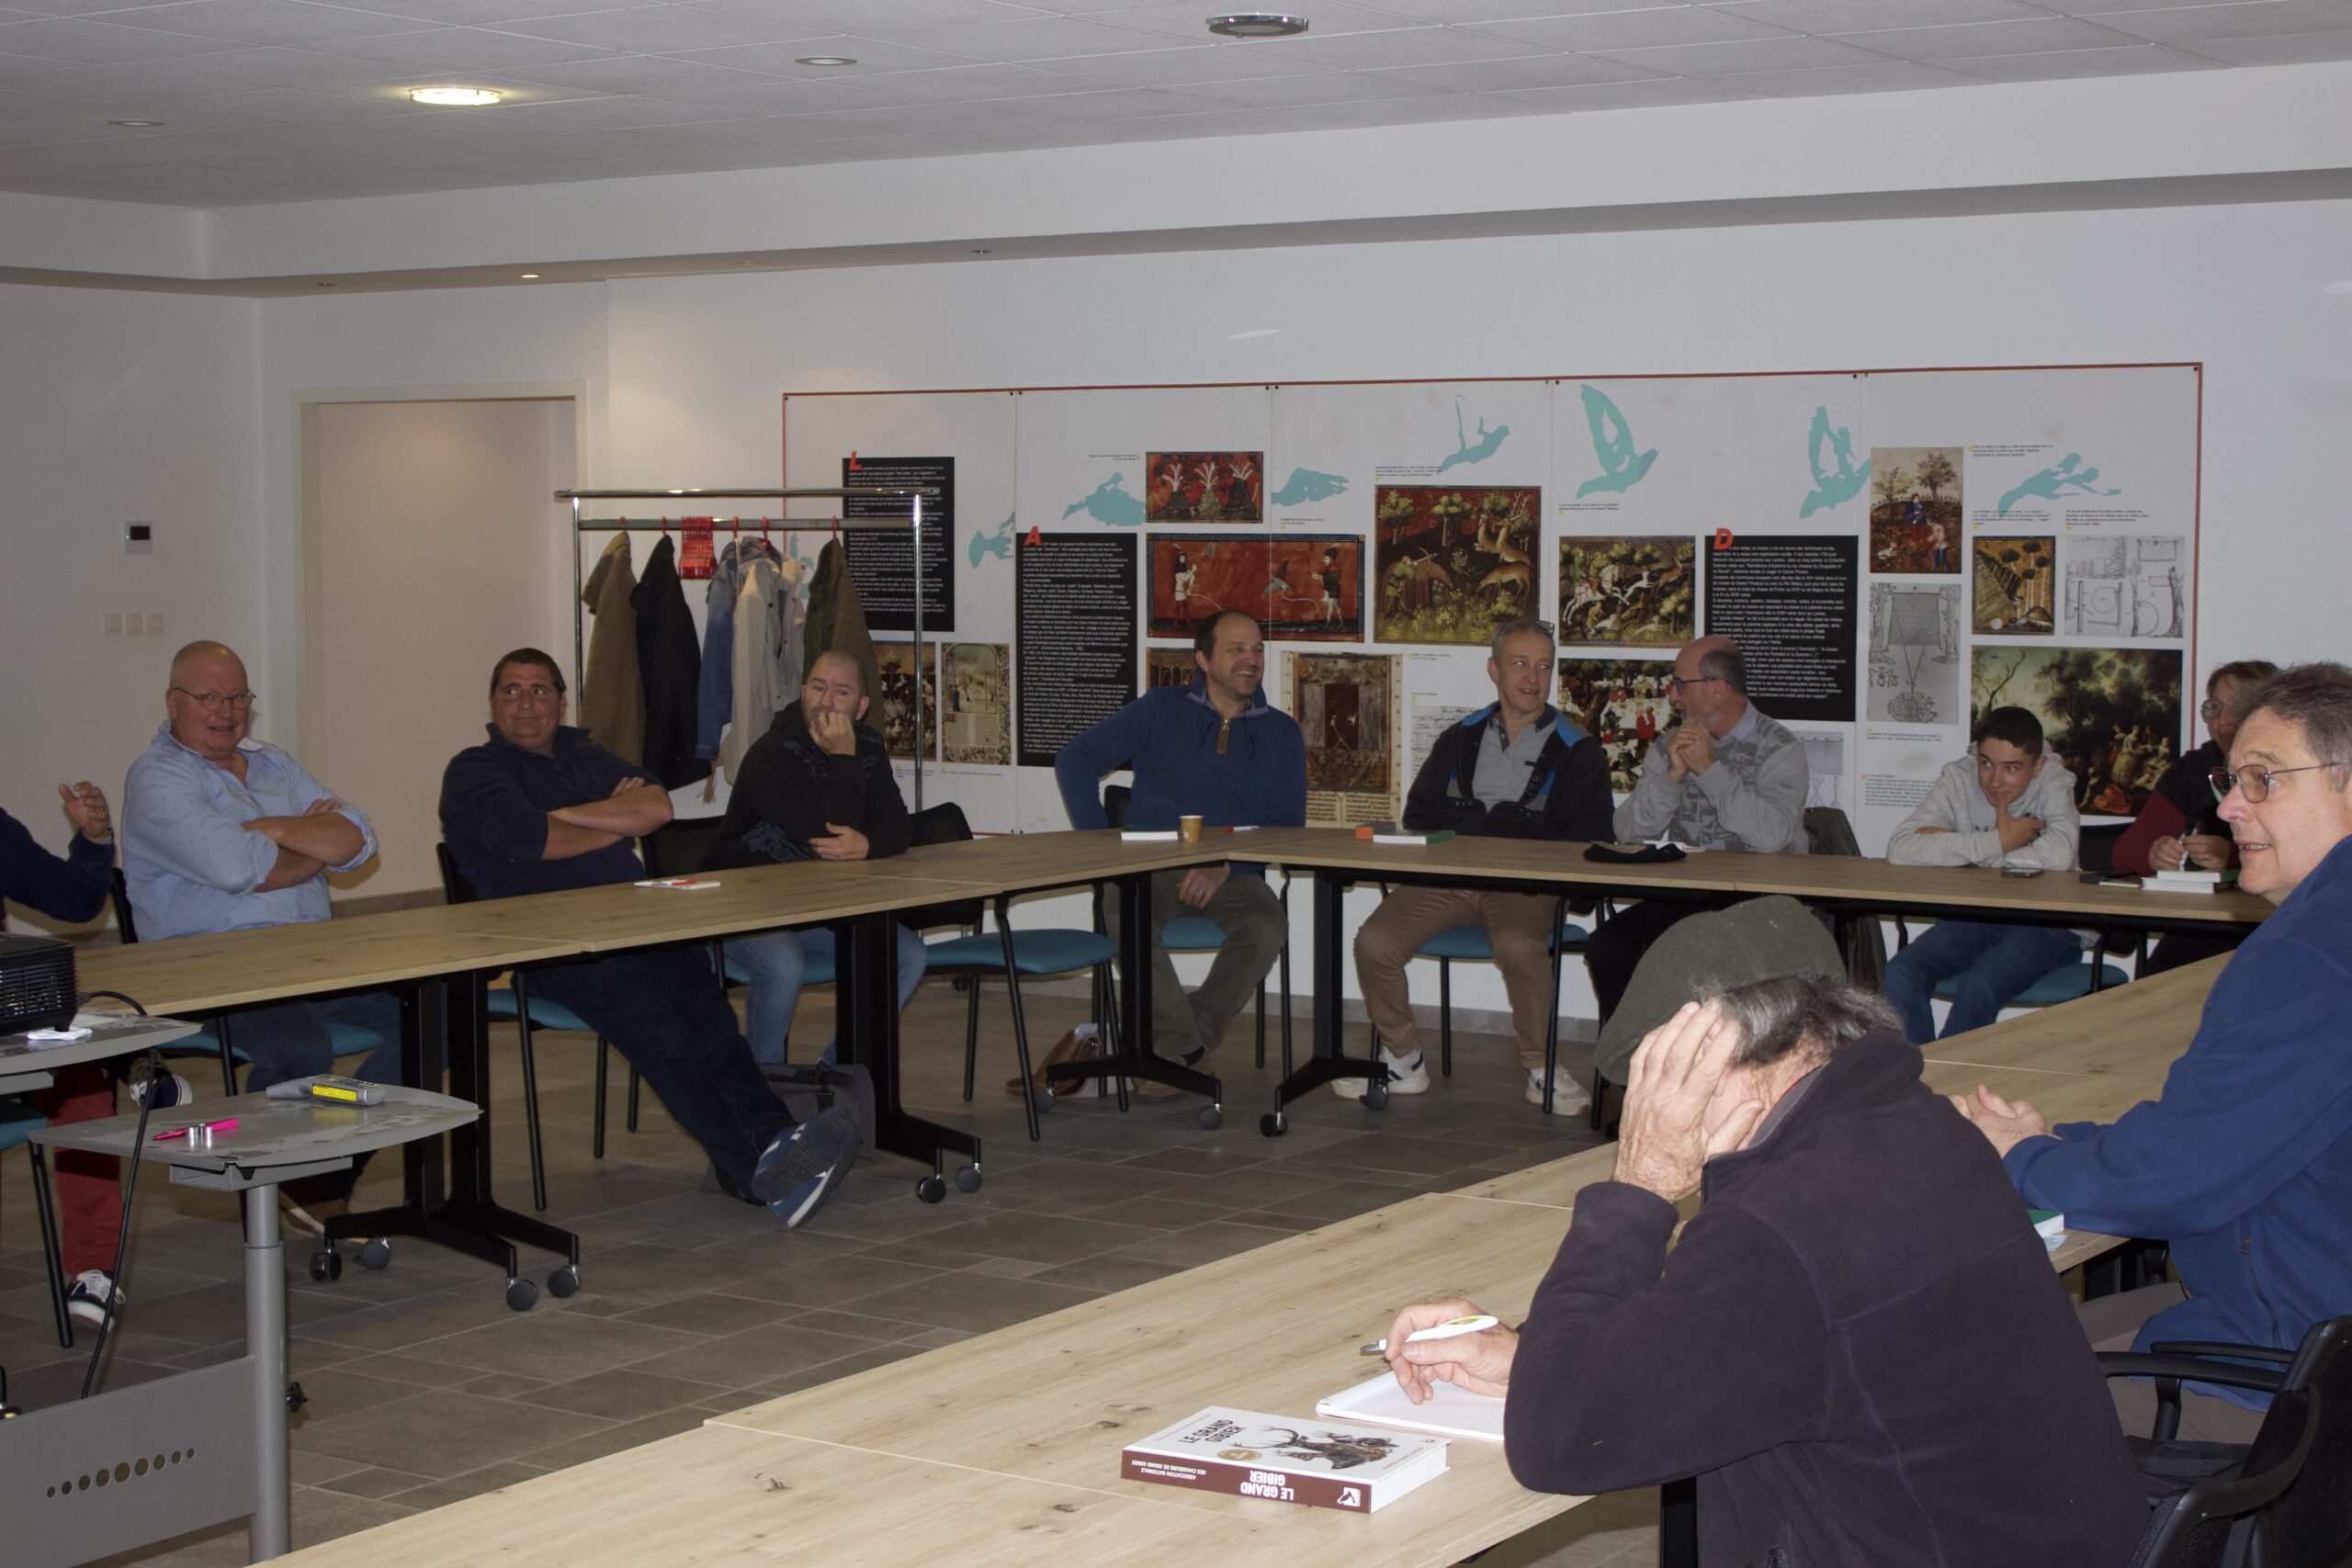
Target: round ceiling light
136	124
456	97
527	274
824	59
1258	24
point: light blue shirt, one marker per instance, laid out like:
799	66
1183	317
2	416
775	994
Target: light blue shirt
189	864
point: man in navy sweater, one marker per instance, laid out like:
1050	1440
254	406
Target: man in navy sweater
1516	769
2245	1165
1216	751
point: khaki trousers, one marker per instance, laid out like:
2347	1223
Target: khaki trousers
1251	918
1518	927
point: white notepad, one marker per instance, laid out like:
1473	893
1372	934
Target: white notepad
1449	1411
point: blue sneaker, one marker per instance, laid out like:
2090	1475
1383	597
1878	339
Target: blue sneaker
798	1172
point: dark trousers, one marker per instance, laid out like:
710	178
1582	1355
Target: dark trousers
296	1040
667	1010
2187	947
1615	948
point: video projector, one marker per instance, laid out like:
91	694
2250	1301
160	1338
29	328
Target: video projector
36	983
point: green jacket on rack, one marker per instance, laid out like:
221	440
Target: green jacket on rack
612	697
836	621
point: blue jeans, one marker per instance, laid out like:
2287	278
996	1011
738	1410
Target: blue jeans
775	962
291	1040
1994	962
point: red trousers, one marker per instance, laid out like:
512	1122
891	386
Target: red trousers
88	1187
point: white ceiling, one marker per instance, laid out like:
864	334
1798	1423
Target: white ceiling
293	100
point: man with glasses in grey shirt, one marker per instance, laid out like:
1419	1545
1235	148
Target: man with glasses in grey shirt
1727	778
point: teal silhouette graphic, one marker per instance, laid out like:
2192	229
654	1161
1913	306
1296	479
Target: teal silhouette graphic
2052	484
1305	485
1489	441
996	541
1832	489
1109	503
1612	442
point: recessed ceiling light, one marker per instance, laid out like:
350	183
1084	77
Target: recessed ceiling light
326	283
456	97
1258	24
824	59
136	124
527	274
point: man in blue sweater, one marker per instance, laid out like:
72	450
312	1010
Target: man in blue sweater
2245	1165
1216	751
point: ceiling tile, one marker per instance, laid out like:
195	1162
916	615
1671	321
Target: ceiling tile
1634	29
1316	87
260	21
465	49
1405	46
1187	67
767	96
1049	38
1756	55
655	75
464	13
873	57
240	69
1864	15
580	116
2073	63
854	16
72	42
1835	80
2286	49
1470	13
1662	93
1438	108
973	84
2248	18
1515	75
1117	104
1188	19
1978	39
658	30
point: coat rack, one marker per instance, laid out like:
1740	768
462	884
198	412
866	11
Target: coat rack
914	498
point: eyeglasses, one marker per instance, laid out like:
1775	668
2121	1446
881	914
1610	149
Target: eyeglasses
2252	781
1677	683
213	702
2209	707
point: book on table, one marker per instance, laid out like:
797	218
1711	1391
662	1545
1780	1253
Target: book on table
1389	833
2188	880
1246	1454
2050	1226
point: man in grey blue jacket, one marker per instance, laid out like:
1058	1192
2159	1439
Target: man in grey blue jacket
2006	804
1214	750
2245	1165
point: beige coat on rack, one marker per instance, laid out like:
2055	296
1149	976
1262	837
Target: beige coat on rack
612	705
766	655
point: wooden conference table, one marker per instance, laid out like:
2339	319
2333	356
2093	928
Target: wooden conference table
1006	1445
1848	887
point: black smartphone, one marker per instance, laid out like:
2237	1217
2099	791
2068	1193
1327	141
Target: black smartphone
2020	871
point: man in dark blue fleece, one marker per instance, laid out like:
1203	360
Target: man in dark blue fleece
2245	1165
1857	1346
1211	749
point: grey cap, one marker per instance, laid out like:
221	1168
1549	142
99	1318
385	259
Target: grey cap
1758	939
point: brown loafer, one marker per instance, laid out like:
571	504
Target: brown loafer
1081	1044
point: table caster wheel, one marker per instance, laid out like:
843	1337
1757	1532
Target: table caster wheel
1375	1097
932	1190
1043	1099
376	1254
326	1264
1211	1118
1273	1124
968	1178
564	1282
521	1295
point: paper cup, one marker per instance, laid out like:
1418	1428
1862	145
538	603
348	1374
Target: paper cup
1189	830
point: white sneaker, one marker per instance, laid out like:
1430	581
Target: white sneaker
1568	1097
1411	1075
86	1298
166	1090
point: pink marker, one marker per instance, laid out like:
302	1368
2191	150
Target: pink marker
207	1128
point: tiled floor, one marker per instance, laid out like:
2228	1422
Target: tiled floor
424	1388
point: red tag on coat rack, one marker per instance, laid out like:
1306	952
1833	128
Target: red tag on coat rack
696	560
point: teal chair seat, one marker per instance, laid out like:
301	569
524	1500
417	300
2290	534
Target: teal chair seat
1191	934
545	1014
2062	984
1055	952
1458	944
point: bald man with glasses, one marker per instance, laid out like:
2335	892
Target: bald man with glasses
221	832
2245	1165
1727	778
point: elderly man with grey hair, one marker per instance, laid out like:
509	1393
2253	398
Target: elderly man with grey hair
1518	768
1727	778
1857	1346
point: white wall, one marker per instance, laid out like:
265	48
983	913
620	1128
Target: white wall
115	407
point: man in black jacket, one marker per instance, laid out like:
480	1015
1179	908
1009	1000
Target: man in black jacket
1857	1346
818	785
1516	769
539	807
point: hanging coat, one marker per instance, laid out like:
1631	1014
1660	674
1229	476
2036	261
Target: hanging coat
837	620
611	701
715	702
765	655
671	664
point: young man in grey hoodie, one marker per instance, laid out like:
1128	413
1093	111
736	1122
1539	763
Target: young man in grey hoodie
2005	804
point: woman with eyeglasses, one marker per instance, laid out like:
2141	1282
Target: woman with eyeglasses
2179	827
